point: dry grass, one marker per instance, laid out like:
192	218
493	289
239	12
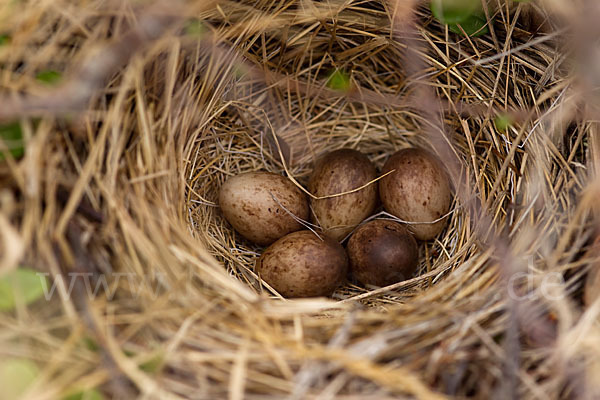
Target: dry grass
122	171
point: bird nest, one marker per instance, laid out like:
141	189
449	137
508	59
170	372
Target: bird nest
159	104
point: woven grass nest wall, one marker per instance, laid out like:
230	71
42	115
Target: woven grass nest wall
159	103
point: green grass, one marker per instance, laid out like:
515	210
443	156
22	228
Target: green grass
49	77
22	283
339	80
468	14
12	136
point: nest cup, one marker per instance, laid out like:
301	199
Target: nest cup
285	127
292	117
287	120
246	90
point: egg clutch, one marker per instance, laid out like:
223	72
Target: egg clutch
271	210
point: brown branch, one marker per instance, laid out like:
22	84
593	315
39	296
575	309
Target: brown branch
82	262
430	107
99	65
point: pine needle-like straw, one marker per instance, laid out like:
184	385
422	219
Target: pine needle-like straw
160	103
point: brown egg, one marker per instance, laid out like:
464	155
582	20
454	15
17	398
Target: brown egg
382	252
255	204
338	172
417	191
302	265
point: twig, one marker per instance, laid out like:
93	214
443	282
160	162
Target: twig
102	62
